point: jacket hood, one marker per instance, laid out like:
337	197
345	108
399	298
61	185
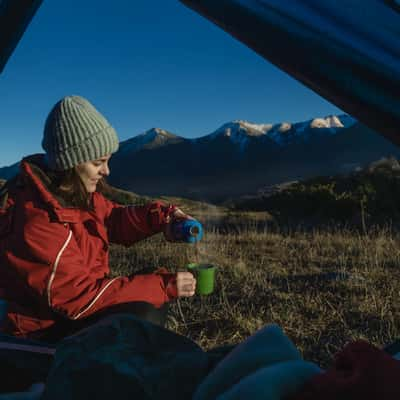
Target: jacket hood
34	172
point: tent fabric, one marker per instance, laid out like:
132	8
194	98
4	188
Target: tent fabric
348	52
15	16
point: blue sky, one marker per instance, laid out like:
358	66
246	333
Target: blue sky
143	64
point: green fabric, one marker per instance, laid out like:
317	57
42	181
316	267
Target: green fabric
124	357
75	132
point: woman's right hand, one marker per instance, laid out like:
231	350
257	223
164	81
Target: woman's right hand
176	216
185	284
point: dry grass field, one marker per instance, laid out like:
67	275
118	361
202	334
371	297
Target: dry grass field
323	287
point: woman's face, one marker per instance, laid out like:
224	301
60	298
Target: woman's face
91	172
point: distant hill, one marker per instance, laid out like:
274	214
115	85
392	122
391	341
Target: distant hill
10	171
371	194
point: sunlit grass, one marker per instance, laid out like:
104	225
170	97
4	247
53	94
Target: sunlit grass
323	287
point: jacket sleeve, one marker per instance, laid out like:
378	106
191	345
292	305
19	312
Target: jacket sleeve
129	224
69	287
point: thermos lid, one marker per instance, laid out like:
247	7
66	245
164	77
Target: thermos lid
195	231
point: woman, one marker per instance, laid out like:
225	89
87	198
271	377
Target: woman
56	227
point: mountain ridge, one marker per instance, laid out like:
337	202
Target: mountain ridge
155	136
240	157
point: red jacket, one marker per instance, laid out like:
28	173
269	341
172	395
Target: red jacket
54	258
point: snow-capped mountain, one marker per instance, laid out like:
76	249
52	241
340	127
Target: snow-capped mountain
241	133
284	133
239	128
152	138
237	132
241	156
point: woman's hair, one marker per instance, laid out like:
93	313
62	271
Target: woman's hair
69	186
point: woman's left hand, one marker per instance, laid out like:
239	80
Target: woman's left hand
176	216
185	284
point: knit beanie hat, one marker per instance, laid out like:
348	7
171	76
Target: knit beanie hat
75	132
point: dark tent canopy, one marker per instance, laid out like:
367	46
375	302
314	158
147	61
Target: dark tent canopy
15	16
346	51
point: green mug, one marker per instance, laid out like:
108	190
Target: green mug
205	277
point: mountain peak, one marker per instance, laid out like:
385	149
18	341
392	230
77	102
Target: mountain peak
159	132
252	129
240	131
151	138
284	127
241	128
331	121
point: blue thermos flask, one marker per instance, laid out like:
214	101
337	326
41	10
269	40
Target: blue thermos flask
188	230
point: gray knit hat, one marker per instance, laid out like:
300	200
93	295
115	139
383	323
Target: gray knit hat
75	132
